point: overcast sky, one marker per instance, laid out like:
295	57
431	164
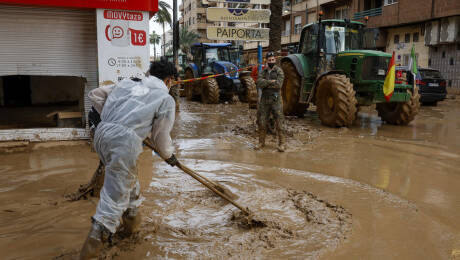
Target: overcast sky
159	29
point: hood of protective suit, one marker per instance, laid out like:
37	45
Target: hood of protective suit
155	83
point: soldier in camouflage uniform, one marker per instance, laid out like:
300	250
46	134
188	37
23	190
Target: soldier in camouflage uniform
270	82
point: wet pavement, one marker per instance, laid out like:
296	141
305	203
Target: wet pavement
373	191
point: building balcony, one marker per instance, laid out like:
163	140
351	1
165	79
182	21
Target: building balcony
201	10
370	12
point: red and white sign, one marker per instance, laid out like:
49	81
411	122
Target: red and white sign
123	49
137	5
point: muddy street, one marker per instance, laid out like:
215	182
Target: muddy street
372	191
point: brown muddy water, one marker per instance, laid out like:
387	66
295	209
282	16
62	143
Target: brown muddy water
373	191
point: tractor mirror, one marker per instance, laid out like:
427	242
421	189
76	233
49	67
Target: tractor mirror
370	36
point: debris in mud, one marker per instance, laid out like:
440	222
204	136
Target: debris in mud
325	220
248	221
92	188
297	130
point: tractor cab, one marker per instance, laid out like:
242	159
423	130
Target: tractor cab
213	58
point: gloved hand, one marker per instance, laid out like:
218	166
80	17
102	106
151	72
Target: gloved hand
172	160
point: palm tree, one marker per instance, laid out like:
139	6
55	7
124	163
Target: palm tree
162	17
186	39
276	8
154	39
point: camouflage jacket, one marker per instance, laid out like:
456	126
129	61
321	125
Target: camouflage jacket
267	74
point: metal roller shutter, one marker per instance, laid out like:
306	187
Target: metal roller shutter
49	41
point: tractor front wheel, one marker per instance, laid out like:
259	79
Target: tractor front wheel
209	91
400	113
291	91
250	92
336	101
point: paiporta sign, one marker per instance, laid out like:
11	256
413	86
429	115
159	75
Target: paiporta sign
135	5
237	33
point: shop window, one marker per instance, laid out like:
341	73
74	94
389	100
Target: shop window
341	12
443	54
396	39
297	24
41	101
407	38
390	2
451	61
415	37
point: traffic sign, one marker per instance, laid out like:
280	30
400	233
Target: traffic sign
216	14
237	33
255	2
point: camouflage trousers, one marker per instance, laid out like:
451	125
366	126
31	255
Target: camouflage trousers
271	104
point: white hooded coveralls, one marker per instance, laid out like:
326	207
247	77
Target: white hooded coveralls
131	111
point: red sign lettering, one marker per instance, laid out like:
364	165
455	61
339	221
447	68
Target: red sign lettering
122	15
134	5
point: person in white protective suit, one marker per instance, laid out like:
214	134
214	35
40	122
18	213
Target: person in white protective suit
130	112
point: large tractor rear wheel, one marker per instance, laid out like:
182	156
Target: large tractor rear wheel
250	92
291	91
400	113
209	91
336	101
189	91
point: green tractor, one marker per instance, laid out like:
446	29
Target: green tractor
336	69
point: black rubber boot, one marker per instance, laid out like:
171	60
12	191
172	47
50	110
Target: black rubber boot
98	235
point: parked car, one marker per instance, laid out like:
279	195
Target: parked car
431	84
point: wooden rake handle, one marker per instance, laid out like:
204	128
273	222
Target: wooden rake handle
209	184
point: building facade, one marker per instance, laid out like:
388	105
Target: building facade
49	62
194	17
432	26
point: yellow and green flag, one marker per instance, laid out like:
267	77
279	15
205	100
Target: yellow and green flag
389	84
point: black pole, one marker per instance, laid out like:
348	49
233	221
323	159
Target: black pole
175	33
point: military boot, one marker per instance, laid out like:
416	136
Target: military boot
262	134
281	143
98	235
131	221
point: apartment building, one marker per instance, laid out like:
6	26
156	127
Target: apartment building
295	15
194	17
432	26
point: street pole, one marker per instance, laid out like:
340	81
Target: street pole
175	34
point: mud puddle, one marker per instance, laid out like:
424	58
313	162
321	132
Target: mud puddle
399	184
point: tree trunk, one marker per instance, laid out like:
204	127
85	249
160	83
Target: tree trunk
164	40
276	8
154	51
